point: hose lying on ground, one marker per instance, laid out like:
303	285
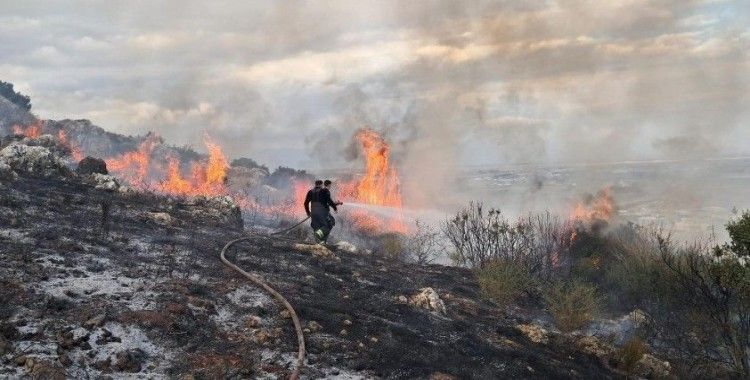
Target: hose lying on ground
295	319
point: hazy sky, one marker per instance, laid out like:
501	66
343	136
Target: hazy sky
478	82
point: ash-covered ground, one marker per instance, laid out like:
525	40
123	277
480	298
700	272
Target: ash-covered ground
100	281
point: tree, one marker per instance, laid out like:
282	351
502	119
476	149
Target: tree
7	91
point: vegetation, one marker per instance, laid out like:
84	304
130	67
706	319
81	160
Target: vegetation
7	91
504	281
696	296
573	304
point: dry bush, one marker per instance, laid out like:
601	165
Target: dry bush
391	246
573	304
479	236
630	353
424	244
504	281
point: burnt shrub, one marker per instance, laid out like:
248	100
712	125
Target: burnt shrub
630	353
572	303
504	281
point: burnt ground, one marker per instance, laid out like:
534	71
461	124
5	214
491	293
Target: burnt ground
97	284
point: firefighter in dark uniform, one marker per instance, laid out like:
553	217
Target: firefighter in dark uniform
318	203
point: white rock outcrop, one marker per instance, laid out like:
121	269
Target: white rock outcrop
105	182
36	160
428	299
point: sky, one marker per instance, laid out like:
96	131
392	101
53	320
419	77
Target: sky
449	83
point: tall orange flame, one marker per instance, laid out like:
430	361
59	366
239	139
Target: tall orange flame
380	184
133	166
206	178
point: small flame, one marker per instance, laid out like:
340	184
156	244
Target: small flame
75	151
32	131
599	208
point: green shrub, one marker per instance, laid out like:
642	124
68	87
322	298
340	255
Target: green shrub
504	281
573	304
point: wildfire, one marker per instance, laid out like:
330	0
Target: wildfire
75	151
600	207
133	166
206	178
379	186
32	131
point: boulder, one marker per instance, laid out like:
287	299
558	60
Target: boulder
129	361
91	165
428	299
105	182
222	209
650	367
6	172
346	247
35	160
160	217
535	333
317	250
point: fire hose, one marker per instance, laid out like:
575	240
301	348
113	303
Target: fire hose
280	298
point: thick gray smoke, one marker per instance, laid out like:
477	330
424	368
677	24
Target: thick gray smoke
450	84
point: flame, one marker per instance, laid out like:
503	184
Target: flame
379	186
599	208
133	166
75	151
32	131
206	178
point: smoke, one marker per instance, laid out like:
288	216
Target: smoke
448	84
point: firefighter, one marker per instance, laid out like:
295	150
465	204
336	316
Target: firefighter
318	203
327	189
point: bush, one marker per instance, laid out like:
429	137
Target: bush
392	246
630	353
504	281
480	236
573	304
423	245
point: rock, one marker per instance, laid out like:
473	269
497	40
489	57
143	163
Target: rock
428	299
105	182
129	361
6	172
4	346
593	346
36	160
95	321
160	217
651	367
44	370
317	250
442	376
402	299
253	322
222	209
347	322
314	326
21	360
346	247
535	333
91	165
